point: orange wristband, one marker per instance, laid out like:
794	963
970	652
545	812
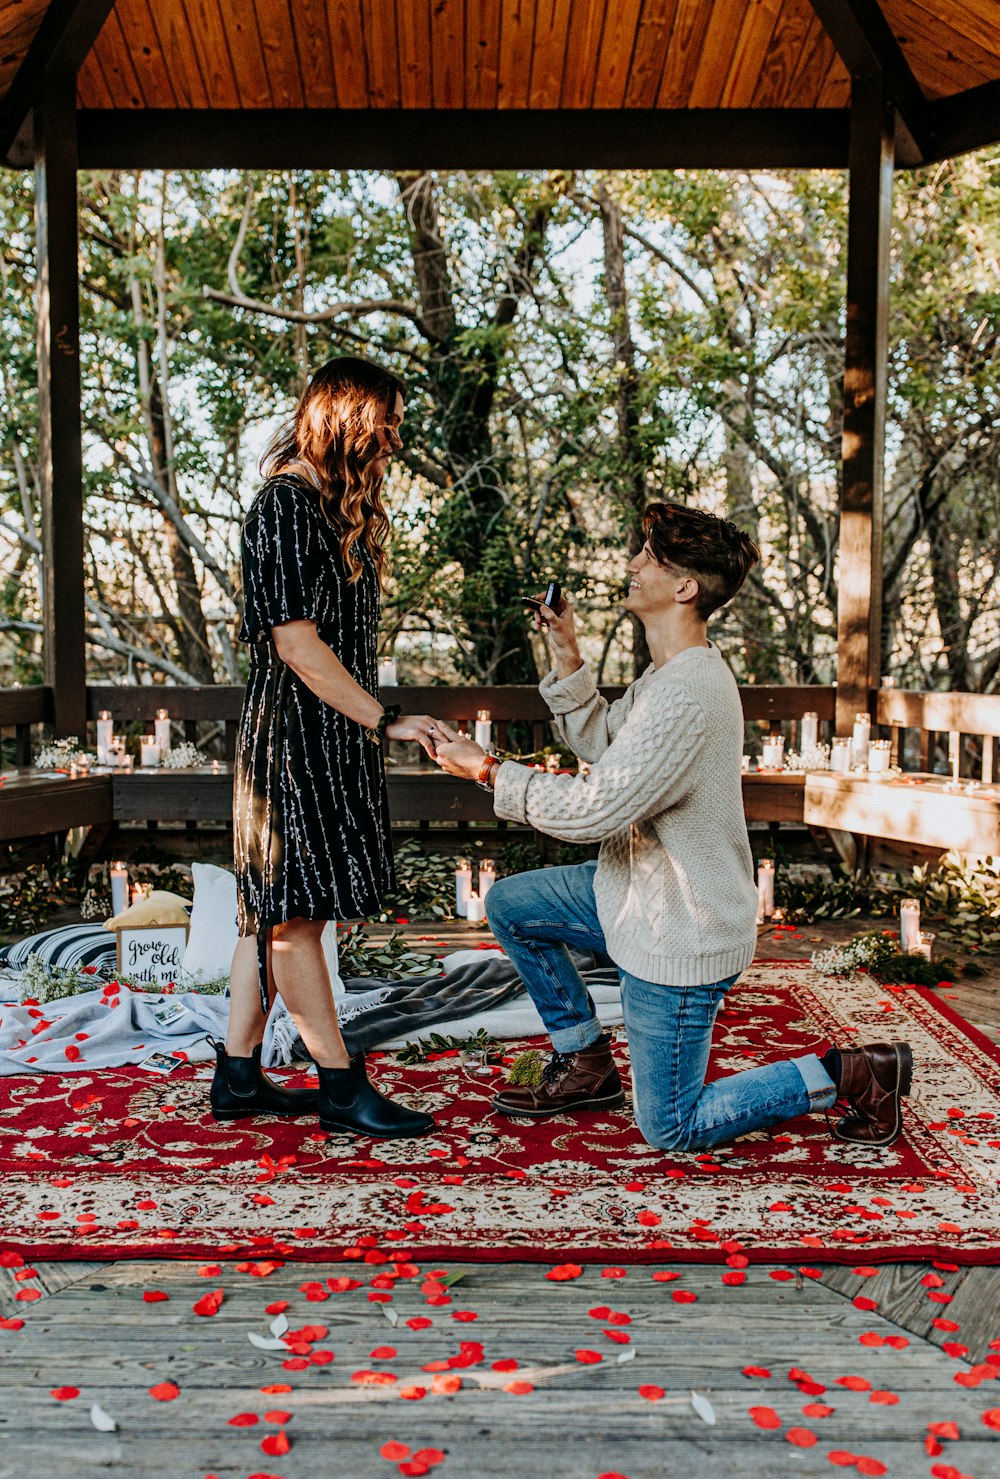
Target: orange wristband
483	778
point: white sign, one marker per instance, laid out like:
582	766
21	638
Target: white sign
152	953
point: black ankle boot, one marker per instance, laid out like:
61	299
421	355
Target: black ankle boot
347	1101
241	1088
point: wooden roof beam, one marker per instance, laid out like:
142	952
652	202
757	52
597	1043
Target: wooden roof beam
68	30
970	120
483	139
866	45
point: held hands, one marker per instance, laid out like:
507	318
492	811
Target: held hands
420	727
458	756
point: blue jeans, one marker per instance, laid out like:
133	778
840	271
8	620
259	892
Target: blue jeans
534	916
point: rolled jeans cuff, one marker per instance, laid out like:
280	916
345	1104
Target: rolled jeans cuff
575	1039
820	1086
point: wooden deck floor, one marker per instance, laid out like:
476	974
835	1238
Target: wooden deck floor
92	1330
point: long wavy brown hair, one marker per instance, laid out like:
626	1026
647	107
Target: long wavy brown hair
334	431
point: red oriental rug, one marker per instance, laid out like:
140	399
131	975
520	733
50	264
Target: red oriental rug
124	1164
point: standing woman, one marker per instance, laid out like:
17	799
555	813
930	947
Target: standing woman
311	819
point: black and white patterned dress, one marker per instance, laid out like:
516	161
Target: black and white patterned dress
310	810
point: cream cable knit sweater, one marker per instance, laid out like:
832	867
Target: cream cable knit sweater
674	885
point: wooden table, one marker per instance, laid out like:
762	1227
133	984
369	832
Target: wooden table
913	808
34	803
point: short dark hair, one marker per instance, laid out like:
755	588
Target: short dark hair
712	550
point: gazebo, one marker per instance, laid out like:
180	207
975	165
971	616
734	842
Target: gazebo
668	84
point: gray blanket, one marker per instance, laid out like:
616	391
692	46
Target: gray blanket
81	1033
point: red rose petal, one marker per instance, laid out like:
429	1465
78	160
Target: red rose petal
683	1296
651	1393
588	1358
765	1417
870	1466
394	1451
275	1445
164	1391
992	1418
244	1420
65	1394
801	1437
756	1371
842	1458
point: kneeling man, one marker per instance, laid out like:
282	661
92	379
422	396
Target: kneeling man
671	898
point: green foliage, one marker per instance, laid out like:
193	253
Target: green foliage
526	1069
479	1043
28	898
965	892
879	954
425	885
388	960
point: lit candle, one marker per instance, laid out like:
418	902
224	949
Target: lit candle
116	752
859	739
765	889
387	673
878	755
149	751
955	755
809	731
119	888
909	925
583	767
745	762
840	754
773	756
161	730
553	764
484	729
475	909
463	887
925	945
487	877
105	734
141	891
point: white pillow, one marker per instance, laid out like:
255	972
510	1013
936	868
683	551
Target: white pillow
213	933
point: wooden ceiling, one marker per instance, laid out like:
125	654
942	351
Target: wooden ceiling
498	54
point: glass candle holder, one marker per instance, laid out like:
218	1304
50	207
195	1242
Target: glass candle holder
487	877
860	736
161	731
387	676
119	888
484	729
772	752
553	764
909	925
840	754
149	751
925	945
105	734
878	755
809	731
463	887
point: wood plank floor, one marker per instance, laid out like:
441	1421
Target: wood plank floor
91	1329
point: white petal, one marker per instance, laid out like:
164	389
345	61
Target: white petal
704	1408
263	1344
102	1421
278	1325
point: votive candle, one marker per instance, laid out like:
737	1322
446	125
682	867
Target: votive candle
878	755
119	888
809	731
161	729
149	751
859	739
487	877
387	677
840	754
105	734
553	764
765	888
484	729
773	756
463	887
475	909
909	925
925	945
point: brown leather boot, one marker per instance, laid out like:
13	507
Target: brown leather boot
570	1081
874	1079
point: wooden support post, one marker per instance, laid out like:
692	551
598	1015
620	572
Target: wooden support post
859	605
59	442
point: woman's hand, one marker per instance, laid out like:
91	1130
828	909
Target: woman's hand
420	727
457	755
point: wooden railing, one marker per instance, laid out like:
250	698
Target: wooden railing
970	720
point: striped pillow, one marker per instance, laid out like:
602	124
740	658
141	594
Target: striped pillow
71	945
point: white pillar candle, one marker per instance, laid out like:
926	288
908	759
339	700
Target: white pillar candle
105	734
116	752
149	751
475	909
773	756
463	887
765	888
119	888
909	925
161	729
840	754
954	754
487	877
859	739
809	731
387	677
484	729
878	755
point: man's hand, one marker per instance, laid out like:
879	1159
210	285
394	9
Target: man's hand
459	756
560	628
